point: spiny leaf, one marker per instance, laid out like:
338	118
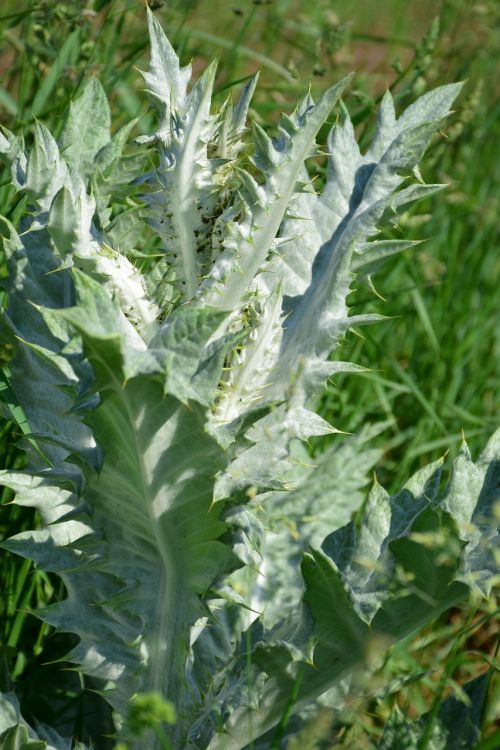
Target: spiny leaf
166	81
87	129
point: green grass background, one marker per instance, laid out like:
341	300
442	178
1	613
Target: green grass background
435	364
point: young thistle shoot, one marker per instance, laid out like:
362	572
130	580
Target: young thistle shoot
179	350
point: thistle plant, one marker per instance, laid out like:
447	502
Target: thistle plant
179	311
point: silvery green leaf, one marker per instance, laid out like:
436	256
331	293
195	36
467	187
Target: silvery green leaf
373	255
182	353
301	290
328	492
124	579
46	170
9	711
477	521
367	571
410	539
365	188
112	181
235	269
181	183
233	122
12	151
87	129
71	228
166	81
29	261
70	220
